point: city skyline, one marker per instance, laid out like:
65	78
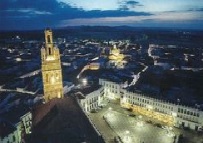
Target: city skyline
38	14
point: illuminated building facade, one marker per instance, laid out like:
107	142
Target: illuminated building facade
111	89
90	98
155	109
51	69
116	59
163	111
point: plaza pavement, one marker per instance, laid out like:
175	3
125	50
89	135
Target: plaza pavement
113	121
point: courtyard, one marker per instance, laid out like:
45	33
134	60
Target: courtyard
116	124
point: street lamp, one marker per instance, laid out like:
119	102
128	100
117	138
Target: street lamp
84	81
149	106
140	124
174	114
140	117
126	137
169	131
110	109
108	115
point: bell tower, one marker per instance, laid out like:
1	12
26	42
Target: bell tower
51	69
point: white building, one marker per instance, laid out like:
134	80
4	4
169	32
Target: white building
178	115
156	109
90	98
111	89
170	113
14	132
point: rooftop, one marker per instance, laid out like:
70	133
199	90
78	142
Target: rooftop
114	75
88	89
62	121
13	116
5	128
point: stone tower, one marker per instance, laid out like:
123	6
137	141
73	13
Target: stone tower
51	69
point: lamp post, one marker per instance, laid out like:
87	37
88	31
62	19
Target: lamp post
140	122
109	108
84	81
127	137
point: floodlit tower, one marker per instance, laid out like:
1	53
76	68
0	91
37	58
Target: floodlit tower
51	69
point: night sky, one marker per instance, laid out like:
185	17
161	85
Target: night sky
38	14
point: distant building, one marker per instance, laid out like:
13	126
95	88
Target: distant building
165	64
116	59
51	69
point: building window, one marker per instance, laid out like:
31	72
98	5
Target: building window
48	39
47	78
49	51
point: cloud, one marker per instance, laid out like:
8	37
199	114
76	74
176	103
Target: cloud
35	14
128	5
133	3
29	11
195	9
43	13
158	18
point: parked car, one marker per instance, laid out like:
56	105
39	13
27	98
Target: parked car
200	129
130	109
131	115
158	125
149	121
93	111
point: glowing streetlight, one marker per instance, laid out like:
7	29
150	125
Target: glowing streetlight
18	59
108	115
170	133
150	107
140	124
84	81
174	114
140	117
110	109
126	137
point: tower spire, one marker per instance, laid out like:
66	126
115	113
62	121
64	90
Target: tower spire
49	45
51	69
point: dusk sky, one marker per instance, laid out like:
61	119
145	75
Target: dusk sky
38	14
